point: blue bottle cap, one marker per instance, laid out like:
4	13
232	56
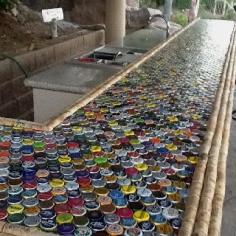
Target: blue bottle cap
48	225
29	193
159	219
165	203
48	214
97	226
32	221
59	199
66	229
128	222
116	194
14	199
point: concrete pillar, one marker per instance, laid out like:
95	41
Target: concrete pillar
168	9
115	20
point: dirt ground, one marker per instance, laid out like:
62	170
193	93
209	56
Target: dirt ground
26	31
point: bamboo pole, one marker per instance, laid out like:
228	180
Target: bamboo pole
217	205
199	174
205	205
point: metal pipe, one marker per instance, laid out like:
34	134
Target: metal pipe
167	23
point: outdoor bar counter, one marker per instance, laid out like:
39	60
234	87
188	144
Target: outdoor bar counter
144	151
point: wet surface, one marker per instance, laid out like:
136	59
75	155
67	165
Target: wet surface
126	157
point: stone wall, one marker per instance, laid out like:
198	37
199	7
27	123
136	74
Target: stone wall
16	100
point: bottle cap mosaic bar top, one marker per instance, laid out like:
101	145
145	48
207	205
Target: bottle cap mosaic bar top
122	164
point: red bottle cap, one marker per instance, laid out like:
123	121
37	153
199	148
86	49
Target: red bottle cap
29	185
45	196
72	145
124	213
84	182
27	158
61	209
76	202
4	154
5	145
170	171
3	214
131	171
94	169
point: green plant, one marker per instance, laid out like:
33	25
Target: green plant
6	5
181	19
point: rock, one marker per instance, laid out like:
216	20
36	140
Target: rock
132	3
88	12
139	18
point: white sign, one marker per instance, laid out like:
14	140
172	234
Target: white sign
50	14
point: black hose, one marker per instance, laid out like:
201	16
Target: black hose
234	115
4	56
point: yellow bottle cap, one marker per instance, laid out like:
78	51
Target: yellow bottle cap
193	159
165	229
171	147
88	189
101	191
128	189
129	133
57	183
15	209
164	182
174	198
141	166
58	191
179	184
64	159
141	216
96	149
29	142
155	168
111	179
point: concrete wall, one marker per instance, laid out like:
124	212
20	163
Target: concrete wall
16	100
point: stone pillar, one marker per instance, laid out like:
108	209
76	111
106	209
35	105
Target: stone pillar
168	9
115	20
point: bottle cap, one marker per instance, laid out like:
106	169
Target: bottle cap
141	216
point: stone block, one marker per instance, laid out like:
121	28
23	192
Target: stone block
44	57
19	88
28	63
6	92
62	51
9	110
25	102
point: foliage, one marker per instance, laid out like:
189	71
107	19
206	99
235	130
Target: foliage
6	5
181	18
183	4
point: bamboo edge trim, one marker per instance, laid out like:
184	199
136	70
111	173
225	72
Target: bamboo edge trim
218	201
205	205
198	177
